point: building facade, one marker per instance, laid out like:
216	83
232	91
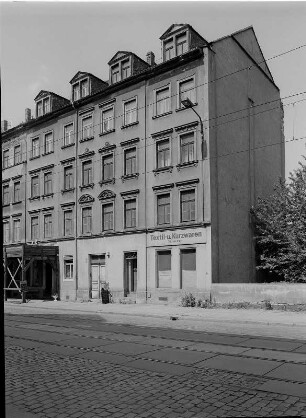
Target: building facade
139	190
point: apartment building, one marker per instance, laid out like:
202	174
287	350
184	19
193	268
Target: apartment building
145	182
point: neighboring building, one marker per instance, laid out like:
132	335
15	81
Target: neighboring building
122	181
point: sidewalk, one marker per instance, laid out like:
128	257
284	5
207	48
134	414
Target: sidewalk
241	321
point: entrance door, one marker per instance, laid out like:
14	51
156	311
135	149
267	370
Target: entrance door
130	276
97	275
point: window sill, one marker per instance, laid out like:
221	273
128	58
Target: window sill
44	196
68	145
34	198
16	203
108	232
6	205
163	169
161	115
187	164
68	190
130	124
130	228
20	162
87	186
87	139
47	153
34	158
129	176
107	132
184	108
108	181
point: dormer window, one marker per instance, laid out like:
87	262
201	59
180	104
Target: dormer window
175	45
43	107
121	70
80	89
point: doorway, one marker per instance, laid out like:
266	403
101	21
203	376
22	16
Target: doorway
97	275
130	273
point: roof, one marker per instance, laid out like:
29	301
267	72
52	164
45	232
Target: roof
44	93
123	54
81	74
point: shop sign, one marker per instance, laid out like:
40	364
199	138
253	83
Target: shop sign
177	237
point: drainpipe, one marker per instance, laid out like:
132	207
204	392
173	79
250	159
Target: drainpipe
76	201
145	174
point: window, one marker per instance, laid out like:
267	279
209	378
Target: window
163	209
107	119
6	195
186	91
35	147
48	226
163	153
188	268
48	142
87	173
47	183
187	147
68	134
187	205
163	101
107	217
6	232
68	177
125	69
43	107
107	167
16	230
34	228
34	186
76	92
115	73
86	220
6	158
130	112
87	131
130	213
80	89
84	88
169	49
17	192
17	154
181	43
164	277
68	223
68	269
130	161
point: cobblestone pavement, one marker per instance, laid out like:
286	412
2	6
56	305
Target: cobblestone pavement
61	367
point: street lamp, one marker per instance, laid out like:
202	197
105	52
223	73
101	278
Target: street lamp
187	103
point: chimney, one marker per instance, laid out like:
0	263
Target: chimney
4	125
151	59
27	114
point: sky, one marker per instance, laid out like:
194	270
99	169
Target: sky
44	44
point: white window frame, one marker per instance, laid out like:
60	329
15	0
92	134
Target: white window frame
6	187
107	154
64	137
123	113
126	199
82	225
104	203
64	173
161	250
45	174
160	193
6	222
52	142
36	139
68	261
38	229
15	220
84	162
51	232
72	222
186	189
133	146
38	191
42	103
6	158
155	114
78	83
20	157
161	139
183	80
87	116
194	146
105	109
14	185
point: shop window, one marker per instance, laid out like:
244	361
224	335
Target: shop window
188	268
164	276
